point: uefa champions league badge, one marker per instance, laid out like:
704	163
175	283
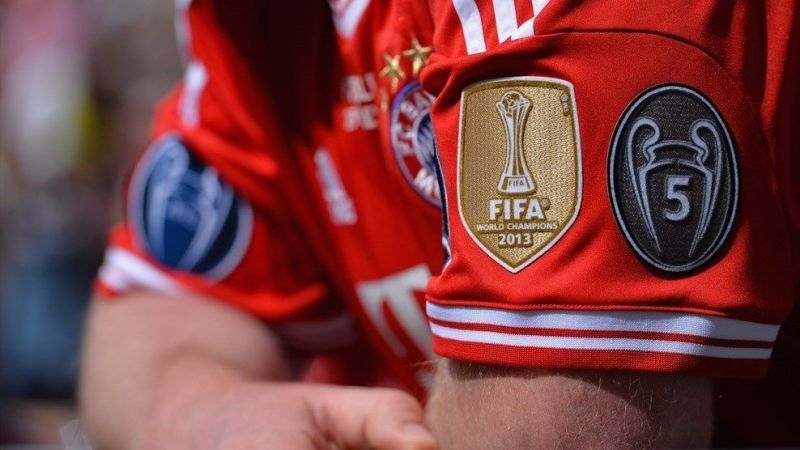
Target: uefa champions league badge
413	141
184	214
673	178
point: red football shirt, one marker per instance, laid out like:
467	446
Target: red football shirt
292	175
617	185
621	191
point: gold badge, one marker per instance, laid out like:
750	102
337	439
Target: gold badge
519	166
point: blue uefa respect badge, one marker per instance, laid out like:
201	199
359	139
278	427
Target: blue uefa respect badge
184	214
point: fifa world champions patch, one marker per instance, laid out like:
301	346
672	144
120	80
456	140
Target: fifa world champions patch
673	178
519	166
184	214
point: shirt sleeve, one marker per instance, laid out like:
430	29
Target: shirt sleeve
612	198
213	206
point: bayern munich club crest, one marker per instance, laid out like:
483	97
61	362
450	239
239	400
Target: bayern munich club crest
413	141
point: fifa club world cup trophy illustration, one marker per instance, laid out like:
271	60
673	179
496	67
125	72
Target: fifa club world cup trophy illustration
516	178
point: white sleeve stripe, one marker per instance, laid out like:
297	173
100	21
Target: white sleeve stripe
471	25
633	321
347	15
182	30
195	79
505	17
122	270
538	6
114	278
599	344
505	21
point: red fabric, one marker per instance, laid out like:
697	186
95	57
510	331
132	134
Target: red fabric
287	94
611	54
238	132
745	56
274	101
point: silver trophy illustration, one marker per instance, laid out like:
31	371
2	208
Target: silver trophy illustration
707	174
516	178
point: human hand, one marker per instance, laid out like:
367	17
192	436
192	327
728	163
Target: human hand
296	416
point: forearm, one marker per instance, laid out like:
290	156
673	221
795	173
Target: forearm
153	358
482	407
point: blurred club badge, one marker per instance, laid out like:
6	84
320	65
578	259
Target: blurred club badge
184	214
413	141
519	166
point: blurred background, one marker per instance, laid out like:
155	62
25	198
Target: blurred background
78	82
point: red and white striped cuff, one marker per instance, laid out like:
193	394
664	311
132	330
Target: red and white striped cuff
123	271
612	340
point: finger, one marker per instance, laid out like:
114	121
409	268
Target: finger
383	419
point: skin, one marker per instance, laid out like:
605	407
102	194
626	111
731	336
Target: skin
168	373
487	408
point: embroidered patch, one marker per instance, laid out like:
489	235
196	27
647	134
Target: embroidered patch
673	178
413	141
519	166
184	215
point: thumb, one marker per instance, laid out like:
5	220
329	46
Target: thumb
383	419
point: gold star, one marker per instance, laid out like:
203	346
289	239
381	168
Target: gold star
392	70
418	56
